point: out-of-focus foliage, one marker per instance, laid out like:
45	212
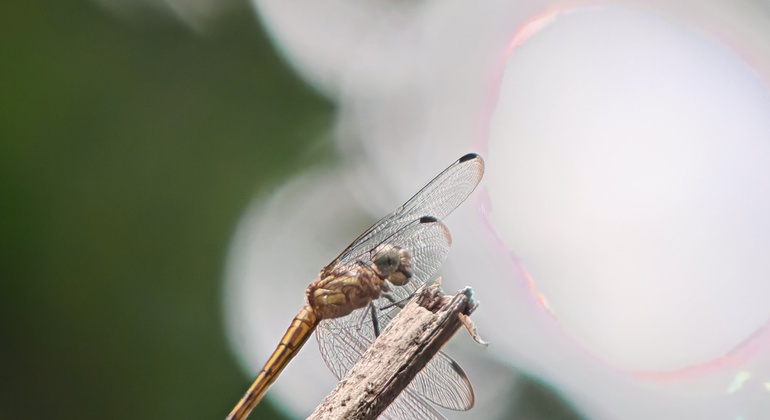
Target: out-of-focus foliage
128	149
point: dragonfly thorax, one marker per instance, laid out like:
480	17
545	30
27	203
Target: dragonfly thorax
393	264
341	290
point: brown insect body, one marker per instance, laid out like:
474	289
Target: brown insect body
341	290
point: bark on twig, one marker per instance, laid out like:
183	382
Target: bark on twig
405	346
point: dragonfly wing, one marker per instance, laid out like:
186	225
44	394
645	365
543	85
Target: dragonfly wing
428	245
409	405
343	341
444	383
437	199
341	350
447	190
427	241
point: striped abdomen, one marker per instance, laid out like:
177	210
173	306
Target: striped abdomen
296	335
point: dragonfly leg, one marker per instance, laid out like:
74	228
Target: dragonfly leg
375	320
387	294
393	302
363	316
370	310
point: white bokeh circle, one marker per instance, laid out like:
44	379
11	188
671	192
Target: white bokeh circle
638	154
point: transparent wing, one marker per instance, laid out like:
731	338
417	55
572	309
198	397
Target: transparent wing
409	405
426	240
444	383
343	344
344	340
437	199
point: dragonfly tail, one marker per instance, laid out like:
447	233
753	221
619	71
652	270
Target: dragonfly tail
296	335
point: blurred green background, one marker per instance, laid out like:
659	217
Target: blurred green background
128	150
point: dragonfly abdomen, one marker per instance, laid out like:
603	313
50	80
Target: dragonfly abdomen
294	338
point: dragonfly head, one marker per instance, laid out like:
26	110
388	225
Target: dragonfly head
393	264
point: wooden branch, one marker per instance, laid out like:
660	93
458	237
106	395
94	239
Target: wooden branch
406	345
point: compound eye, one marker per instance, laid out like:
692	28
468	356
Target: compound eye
387	259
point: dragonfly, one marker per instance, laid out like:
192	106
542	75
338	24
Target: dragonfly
361	290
